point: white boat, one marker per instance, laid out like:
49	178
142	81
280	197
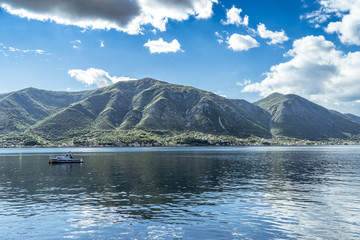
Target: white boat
67	158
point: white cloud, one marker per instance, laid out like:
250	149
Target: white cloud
126	15
14	50
36	51
160	46
95	76
233	17
76	43
39	51
239	42
102	44
220	38
316	17
221	94
275	37
245	82
318	72
348	11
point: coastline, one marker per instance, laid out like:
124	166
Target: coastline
139	138
137	145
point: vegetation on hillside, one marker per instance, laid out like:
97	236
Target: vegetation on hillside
141	138
295	117
148	112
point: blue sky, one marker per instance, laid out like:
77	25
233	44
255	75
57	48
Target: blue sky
240	49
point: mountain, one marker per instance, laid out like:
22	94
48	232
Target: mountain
352	117
22	109
347	116
149	105
294	116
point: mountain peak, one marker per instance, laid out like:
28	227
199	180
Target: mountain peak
297	117
275	95
152	105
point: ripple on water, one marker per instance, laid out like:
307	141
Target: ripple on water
257	193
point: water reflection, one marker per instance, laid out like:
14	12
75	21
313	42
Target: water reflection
228	194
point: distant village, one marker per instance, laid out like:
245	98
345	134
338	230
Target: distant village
202	140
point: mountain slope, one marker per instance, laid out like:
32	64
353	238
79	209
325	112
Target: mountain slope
155	106
21	109
149	104
294	116
347	116
352	117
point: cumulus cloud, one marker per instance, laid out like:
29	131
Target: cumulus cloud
348	11
239	42
160	46
123	15
233	17
102	44
318	72
95	76
275	37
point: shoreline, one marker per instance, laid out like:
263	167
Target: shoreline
176	146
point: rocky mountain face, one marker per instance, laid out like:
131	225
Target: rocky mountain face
153	105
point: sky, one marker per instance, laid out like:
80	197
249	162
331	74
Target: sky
245	49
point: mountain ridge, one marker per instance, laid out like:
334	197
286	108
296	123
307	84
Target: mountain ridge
150	105
297	117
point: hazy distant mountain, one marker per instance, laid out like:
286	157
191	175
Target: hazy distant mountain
352	117
348	116
153	105
294	116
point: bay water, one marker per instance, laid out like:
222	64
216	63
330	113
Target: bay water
310	192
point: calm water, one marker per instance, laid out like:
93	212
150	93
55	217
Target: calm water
182	193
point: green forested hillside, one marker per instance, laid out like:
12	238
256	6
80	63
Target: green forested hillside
149	110
154	105
296	117
22	109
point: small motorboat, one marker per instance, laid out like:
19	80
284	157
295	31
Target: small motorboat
67	158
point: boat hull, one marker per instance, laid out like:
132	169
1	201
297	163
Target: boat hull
65	160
